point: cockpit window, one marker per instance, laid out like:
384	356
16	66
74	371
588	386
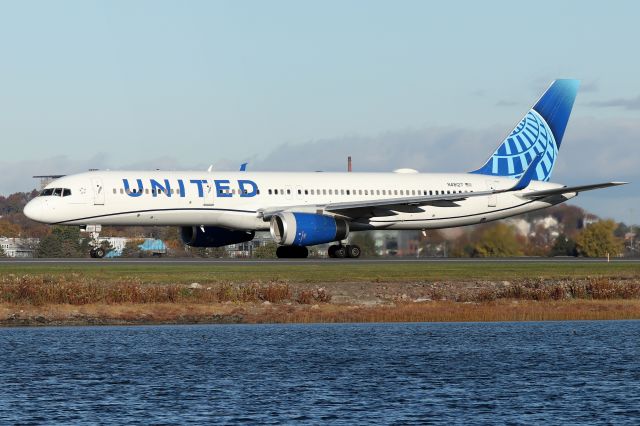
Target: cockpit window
58	192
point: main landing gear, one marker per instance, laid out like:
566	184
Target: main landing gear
339	251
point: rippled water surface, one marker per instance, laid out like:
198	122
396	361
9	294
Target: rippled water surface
525	373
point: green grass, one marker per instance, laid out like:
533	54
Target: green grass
331	272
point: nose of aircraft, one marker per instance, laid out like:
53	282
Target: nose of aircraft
34	210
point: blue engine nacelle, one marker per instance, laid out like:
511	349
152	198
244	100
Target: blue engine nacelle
307	229
213	236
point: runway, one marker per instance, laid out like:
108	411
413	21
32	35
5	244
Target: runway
311	261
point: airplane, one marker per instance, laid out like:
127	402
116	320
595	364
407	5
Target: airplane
214	208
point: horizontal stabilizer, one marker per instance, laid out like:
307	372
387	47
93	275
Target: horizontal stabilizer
528	175
570	189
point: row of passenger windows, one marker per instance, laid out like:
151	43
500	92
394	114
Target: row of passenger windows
58	192
383	192
390	192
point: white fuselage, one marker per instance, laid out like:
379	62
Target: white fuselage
235	200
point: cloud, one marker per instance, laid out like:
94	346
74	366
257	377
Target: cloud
625	103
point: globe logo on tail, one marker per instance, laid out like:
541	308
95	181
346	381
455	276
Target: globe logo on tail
531	137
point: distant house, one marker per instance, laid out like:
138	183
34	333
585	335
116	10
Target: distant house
19	247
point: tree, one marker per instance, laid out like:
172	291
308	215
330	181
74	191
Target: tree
265	251
8	229
598	240
366	243
563	246
499	240
131	248
64	241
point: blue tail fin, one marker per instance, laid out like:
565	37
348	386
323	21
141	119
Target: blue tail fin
539	132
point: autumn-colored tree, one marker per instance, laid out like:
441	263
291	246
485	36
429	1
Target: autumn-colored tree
9	230
598	240
499	240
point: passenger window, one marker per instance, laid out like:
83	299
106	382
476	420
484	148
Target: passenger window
330	192
288	191
324	192
66	192
377	192
430	192
306	192
121	191
366	192
359	191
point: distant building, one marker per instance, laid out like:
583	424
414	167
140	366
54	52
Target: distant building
19	247
245	250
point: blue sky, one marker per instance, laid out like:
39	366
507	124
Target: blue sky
300	85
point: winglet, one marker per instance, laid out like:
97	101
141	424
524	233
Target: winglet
528	175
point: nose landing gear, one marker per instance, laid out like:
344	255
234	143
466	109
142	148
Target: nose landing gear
97	251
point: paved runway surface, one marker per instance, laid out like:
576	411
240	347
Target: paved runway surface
187	261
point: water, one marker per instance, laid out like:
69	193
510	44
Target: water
525	373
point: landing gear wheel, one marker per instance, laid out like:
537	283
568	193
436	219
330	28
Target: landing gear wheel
331	251
292	252
353	251
97	253
340	252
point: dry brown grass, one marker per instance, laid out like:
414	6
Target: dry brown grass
40	290
441	311
444	311
76	299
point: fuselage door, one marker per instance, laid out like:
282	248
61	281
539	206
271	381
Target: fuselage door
98	191
209	193
493	199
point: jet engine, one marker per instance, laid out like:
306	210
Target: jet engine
212	236
307	229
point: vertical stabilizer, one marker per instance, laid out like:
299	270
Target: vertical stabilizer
539	132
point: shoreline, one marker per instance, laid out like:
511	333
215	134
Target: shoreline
265	313
331	293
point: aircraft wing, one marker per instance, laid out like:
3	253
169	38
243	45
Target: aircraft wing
569	190
385	206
